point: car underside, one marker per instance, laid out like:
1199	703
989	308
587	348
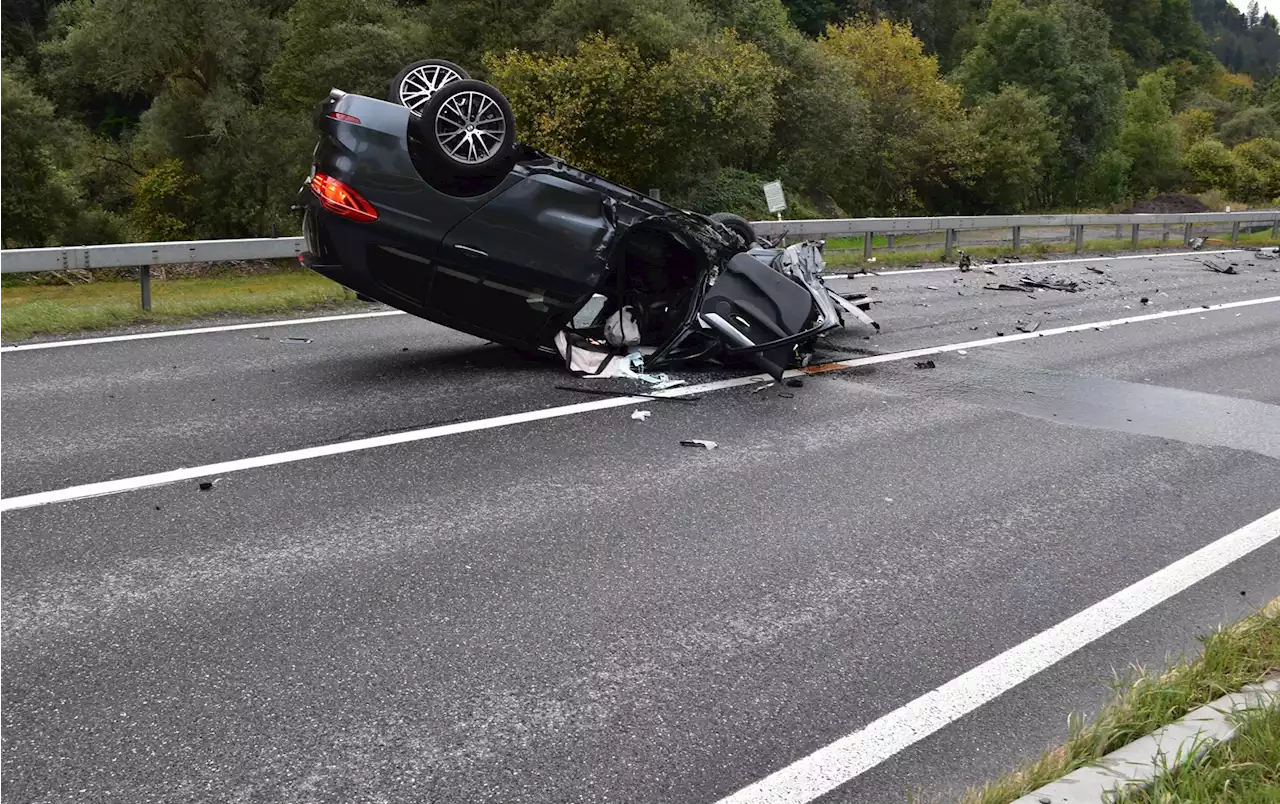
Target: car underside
491	237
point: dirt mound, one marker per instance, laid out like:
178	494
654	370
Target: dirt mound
1169	203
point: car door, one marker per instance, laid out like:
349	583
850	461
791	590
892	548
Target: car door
521	265
761	313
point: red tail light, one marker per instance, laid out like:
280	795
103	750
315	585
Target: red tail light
346	118
340	199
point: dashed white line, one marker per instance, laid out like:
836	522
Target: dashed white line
850	756
292	456
173	333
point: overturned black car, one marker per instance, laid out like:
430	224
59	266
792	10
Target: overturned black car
428	203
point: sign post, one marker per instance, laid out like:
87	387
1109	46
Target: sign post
774	198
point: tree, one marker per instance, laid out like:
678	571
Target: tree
1210	165
916	128
645	123
1258	169
1015	137
1193	125
39	199
1249	124
1254	14
1060	51
653	27
1148	135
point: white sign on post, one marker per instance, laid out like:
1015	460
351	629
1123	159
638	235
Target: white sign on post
773	196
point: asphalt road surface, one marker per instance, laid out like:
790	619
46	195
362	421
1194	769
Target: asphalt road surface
576	608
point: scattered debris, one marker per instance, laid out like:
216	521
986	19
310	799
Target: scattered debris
207	485
925	364
295	340
1003	286
999	334
1052	283
665	384
262	337
1095	270
1197	243
698	442
1230	269
795	382
641	415
962	352
1144	300
764	387
602	392
931	287
1028	327
787	396
965	263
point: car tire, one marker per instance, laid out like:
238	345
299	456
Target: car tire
415	85
737	224
468	130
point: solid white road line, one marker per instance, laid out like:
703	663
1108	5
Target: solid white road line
172	333
979	266
845	759
160	478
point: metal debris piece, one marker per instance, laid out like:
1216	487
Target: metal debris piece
1230	269
787	396
764	387
207	485
925	364
1197	243
1028	327
641	415
1095	270
295	340
1050	283
698	442
931	287
1144	300
795	382
1003	286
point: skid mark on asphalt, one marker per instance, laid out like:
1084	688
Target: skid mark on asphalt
99	489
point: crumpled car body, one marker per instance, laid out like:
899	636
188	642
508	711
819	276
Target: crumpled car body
520	258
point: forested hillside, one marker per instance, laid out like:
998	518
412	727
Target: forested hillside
171	119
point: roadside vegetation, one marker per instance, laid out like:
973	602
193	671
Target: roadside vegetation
30	310
1145	700
155	120
1245	770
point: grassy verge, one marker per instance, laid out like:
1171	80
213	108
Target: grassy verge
935	253
1234	656
1244	770
32	310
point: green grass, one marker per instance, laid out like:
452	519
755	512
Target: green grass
31	310
1144	701
1244	770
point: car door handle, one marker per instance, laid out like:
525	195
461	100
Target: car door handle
472	250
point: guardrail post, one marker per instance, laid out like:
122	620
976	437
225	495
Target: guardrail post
1119	231
1079	237
144	278
891	240
866	245
1164	235
1186	235
1235	232
951	238
1275	228
1017	239
1136	227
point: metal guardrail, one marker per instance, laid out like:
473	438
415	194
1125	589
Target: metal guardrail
145	255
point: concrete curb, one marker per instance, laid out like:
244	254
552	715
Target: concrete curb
1139	762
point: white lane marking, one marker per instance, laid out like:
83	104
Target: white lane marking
979	266
226	467
172	333
852	755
